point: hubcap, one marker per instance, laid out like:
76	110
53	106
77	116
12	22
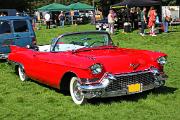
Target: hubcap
77	92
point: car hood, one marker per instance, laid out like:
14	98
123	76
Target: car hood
122	60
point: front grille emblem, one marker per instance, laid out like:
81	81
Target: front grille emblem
134	66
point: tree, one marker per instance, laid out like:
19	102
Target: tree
168	2
14	4
33	4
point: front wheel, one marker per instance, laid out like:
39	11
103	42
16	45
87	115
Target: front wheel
22	74
75	92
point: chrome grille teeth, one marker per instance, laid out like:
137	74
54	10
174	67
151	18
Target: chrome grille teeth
122	82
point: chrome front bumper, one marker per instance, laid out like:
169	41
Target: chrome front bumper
3	56
99	90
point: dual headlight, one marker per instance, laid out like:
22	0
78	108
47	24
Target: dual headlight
96	68
162	60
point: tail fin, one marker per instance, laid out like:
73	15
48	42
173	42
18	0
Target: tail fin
15	48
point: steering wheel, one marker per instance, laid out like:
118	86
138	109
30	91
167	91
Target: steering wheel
96	43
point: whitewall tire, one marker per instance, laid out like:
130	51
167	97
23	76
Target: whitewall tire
22	74
76	93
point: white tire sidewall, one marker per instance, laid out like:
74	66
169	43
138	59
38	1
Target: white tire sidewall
22	75
73	79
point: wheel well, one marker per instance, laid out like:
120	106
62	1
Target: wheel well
65	81
16	69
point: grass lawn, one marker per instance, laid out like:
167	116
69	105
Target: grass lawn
32	101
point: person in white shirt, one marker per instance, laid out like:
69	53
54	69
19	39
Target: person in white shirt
111	21
47	20
166	14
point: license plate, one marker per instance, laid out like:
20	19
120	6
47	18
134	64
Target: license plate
134	88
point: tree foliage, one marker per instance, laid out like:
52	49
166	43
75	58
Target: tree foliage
32	4
13	4
169	2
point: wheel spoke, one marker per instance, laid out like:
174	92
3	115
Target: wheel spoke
77	92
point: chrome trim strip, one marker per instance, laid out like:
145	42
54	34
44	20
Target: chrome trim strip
131	74
102	85
124	92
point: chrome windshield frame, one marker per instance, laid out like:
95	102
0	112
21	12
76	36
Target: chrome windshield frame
55	41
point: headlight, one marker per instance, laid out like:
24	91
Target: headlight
162	60
96	68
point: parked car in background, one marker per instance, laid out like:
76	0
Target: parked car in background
78	18
103	24
15	30
89	65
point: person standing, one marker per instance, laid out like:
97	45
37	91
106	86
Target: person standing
132	14
47	20
111	21
152	20
72	16
143	21
166	18
61	19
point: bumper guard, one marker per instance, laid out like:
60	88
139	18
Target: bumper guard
98	90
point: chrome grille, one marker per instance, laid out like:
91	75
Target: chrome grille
122	81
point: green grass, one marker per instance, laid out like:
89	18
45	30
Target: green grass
32	101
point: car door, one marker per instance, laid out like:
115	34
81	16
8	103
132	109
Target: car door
6	36
23	32
46	69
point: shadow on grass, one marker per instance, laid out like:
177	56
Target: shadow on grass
3	60
131	98
174	31
64	92
134	97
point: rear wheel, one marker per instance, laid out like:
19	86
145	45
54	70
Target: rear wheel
75	92
22	74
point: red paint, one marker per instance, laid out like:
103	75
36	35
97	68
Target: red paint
49	68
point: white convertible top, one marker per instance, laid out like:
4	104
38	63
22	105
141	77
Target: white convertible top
44	48
59	47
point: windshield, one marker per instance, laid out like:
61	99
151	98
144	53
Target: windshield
77	41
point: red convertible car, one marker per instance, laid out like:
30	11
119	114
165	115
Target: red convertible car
89	65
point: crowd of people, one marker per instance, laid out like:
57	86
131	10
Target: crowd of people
154	19
59	19
65	17
148	19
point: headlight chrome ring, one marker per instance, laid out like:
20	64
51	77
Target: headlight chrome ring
162	60
96	68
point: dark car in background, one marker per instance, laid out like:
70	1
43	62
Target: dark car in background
15	30
78	18
103	24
